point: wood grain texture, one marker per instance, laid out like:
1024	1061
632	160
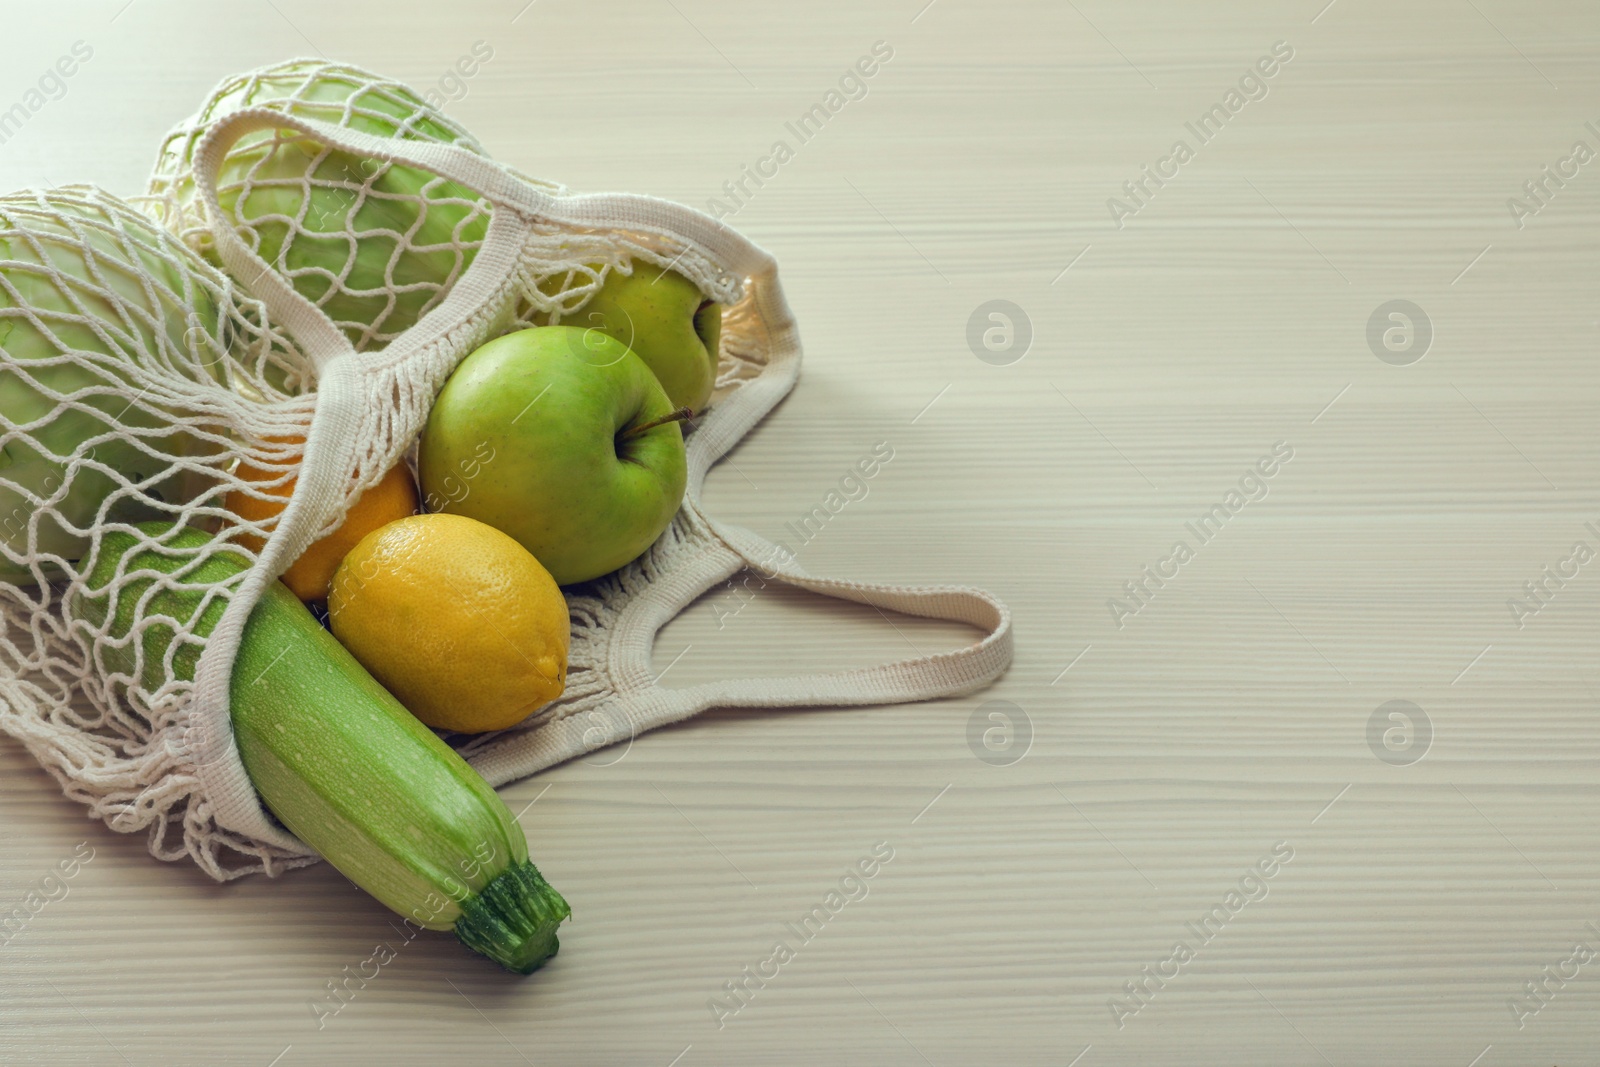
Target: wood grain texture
1227	716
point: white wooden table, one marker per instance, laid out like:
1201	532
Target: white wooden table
1150	765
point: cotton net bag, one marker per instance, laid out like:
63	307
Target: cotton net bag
366	244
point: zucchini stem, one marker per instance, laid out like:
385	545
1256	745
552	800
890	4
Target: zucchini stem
513	920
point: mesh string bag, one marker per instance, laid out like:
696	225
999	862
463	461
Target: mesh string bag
379	244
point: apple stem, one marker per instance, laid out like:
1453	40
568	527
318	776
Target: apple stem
681	415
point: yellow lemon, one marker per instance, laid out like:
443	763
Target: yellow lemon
456	619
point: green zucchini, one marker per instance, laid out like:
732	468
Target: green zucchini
335	757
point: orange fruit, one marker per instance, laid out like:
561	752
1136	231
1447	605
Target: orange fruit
311	576
456	619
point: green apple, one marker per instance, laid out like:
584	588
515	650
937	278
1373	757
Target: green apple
665	318
562	438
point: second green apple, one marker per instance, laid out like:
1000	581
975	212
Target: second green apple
667	322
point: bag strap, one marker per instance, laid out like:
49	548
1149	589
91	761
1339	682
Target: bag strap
923	677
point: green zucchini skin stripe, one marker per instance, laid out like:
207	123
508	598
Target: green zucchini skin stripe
341	763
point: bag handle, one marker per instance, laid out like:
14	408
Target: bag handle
643	704
311	327
923	677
